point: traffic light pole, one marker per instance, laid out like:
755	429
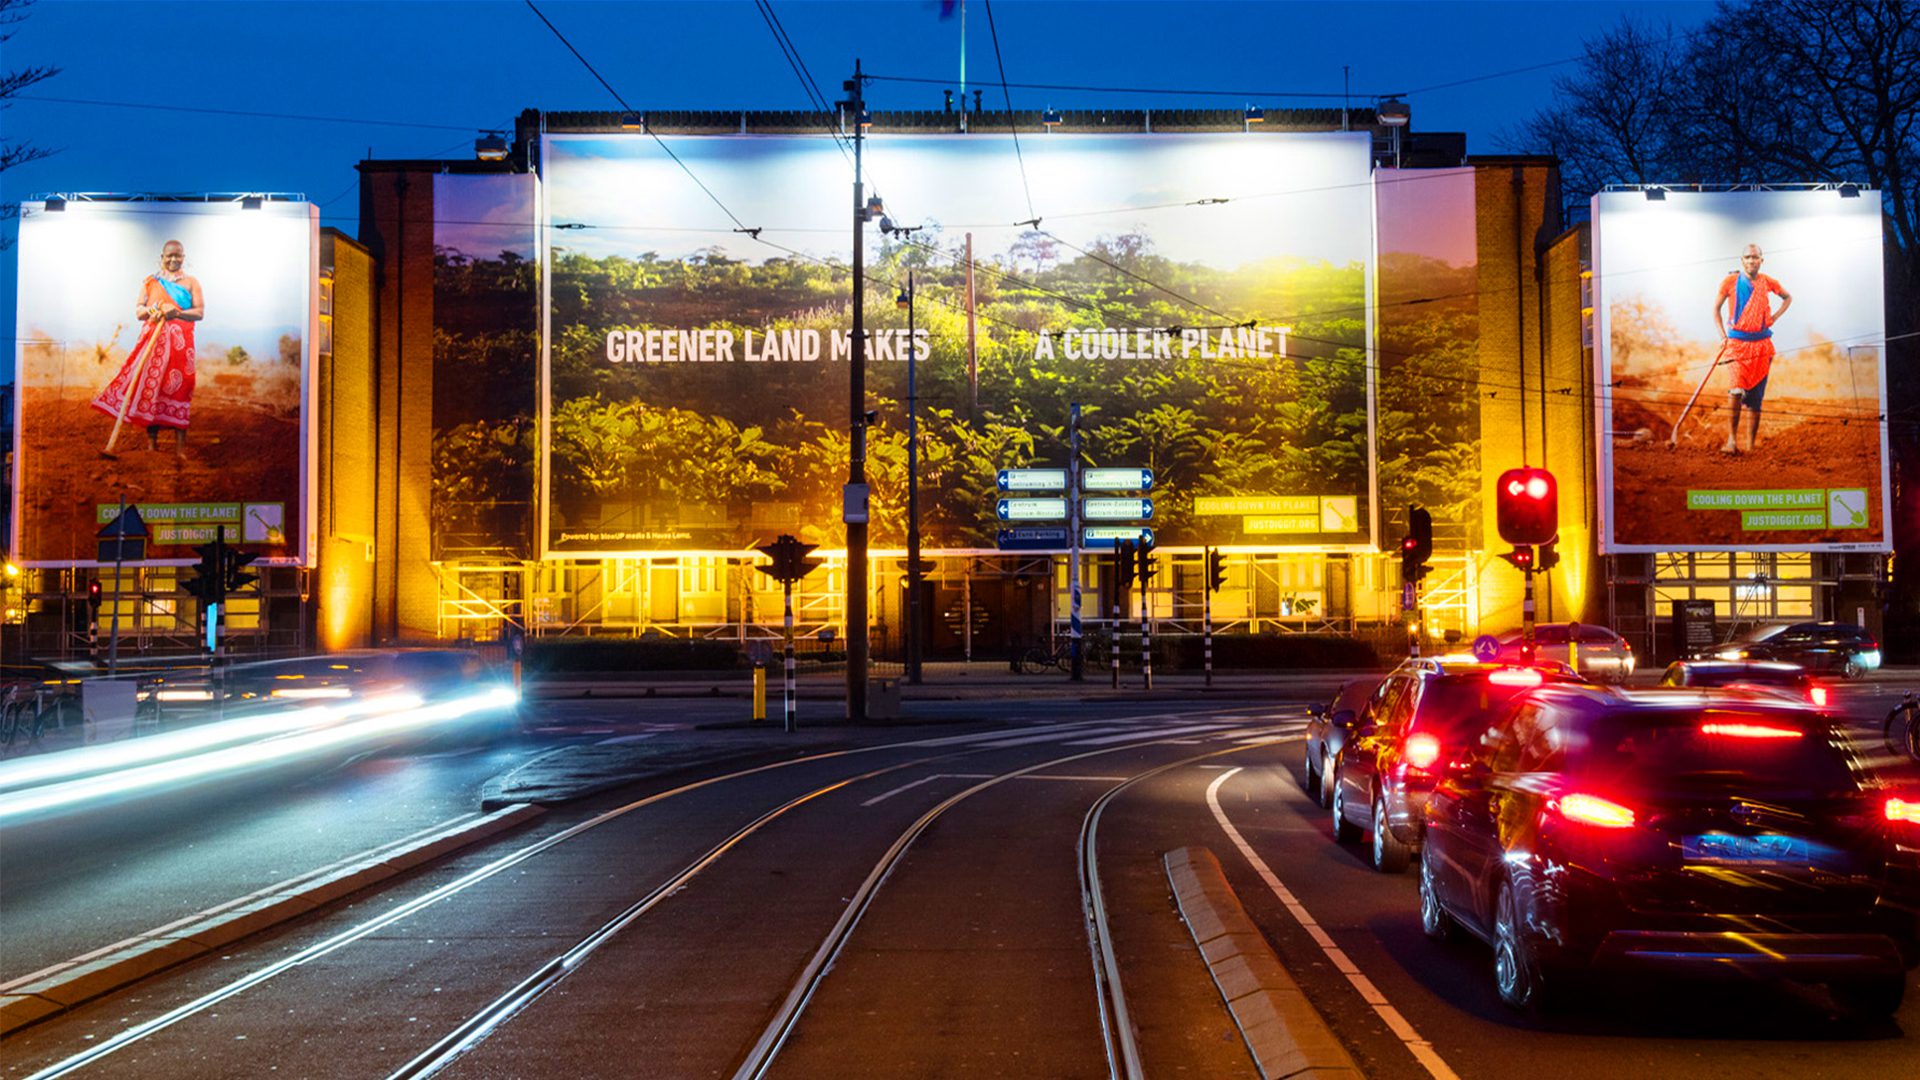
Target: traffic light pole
1146	619
788	690
1206	624
1526	618
113	617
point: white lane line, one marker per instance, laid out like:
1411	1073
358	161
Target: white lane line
621	740
882	797
1148	733
1421	1049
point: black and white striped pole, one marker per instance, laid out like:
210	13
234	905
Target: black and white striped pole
1146	610
1216	577
790	564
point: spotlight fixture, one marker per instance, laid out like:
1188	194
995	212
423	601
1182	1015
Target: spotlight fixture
1392	112
1051	118
1255	115
1655	194
251	202
490	146
633	121
875	208
1849	191
55	203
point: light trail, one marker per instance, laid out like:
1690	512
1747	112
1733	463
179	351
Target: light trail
175	773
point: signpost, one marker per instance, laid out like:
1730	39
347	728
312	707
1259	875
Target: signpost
1111	509
1030	538
1033	479
1075	668
1116	480
790	564
1040	509
126	534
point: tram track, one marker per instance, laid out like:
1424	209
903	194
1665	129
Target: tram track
528	989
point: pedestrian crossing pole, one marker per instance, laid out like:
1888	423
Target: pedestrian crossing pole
1116	638
790	706
789	563
1146	610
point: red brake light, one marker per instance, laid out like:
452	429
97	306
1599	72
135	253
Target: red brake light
1594	810
1817	695
1423	749
1901	810
1516	677
1751	731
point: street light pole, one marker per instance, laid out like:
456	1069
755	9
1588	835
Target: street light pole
854	509
913	492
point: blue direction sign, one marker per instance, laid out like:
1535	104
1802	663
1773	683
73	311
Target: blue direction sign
1043	509
1486	648
1116	480
1110	509
1032	479
1104	537
1033	539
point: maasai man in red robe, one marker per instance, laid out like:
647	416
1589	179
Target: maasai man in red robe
1747	296
170	302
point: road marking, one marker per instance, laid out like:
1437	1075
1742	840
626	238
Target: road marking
1163	733
621	740
903	787
1421	1049
882	797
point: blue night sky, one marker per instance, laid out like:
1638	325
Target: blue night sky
420	79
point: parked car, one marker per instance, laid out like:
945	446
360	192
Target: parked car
1596	652
1672	835
1768	676
1836	647
1327	731
1424	714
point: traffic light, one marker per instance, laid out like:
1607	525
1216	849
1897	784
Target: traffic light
1527	506
1417	546
1549	555
1147	567
790	562
205	584
1216	570
1125	563
93	594
1521	557
234	578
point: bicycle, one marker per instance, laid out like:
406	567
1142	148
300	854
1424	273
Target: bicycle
1059	655
13	717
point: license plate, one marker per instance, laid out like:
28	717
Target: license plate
1727	848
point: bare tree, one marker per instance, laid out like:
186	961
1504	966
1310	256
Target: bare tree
12	83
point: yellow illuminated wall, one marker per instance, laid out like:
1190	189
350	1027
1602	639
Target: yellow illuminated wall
342	581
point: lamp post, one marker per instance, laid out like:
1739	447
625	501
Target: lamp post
854	502
905	300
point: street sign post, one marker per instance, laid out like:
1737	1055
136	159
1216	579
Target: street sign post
1107	537
126	536
1033	538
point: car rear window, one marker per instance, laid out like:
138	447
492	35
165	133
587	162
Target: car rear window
1455	705
1596	635
1673	754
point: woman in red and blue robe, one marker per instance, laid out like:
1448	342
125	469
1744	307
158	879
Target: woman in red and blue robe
170	302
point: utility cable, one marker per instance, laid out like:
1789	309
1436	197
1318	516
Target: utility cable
1012	129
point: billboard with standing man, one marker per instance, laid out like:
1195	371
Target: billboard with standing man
1740	339
161	359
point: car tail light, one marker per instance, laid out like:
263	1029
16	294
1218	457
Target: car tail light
1817	695
1751	731
1423	749
1899	809
1593	810
1516	677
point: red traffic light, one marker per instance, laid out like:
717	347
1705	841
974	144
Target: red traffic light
1527	506
93	592
1520	557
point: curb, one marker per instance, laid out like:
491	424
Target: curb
56	989
1284	1033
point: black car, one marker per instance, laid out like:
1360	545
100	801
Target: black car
1427	712
1838	647
1327	731
1672	835
1766	676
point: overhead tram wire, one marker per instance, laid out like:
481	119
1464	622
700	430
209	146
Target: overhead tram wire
808	84
1012	128
531	6
1067	87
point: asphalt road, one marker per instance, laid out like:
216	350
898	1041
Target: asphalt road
929	876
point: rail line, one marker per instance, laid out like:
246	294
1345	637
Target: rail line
766	1049
154	1026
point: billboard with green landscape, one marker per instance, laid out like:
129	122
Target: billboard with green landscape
1206	299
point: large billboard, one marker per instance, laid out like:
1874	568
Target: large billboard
1741	379
161	359
1206	299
